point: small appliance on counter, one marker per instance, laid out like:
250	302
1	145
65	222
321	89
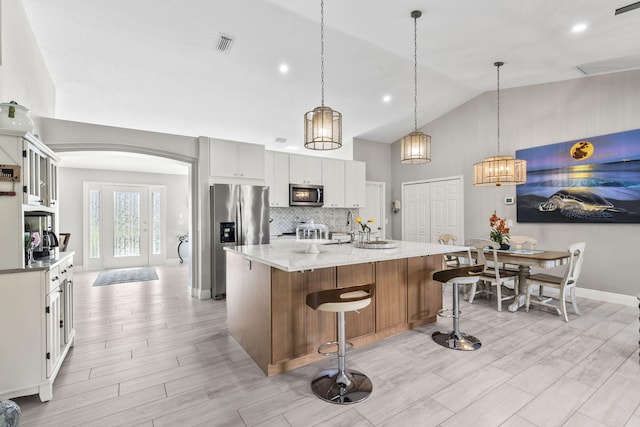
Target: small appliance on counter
39	223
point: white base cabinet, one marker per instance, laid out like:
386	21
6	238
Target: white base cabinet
36	307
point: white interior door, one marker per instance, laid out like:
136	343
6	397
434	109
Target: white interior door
431	208
126	226
375	208
415	218
446	209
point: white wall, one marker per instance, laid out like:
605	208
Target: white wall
534	116
24	76
71	209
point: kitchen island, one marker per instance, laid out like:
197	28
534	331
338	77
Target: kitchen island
267	287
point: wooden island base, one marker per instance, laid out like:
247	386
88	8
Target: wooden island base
267	312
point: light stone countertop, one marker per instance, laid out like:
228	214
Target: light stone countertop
289	255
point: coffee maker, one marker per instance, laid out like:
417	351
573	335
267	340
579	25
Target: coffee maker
40	223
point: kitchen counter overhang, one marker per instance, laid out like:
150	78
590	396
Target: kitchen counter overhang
289	255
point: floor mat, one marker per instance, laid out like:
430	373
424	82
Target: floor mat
111	277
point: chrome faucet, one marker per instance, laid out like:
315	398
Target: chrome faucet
350	224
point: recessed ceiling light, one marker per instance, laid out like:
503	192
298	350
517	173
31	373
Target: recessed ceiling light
386	98
284	68
578	28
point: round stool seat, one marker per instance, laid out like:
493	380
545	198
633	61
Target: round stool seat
353	302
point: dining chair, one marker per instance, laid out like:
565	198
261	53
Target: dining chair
520	242
565	284
492	275
449	261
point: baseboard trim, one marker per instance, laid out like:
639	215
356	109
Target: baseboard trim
607	296
201	293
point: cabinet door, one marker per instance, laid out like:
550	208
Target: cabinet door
358	324
68	321
250	161
277	178
355	184
52	183
223	159
333	182
33	173
391	293
424	295
305	170
53	330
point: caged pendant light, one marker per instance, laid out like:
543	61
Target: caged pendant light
323	125
415	147
500	170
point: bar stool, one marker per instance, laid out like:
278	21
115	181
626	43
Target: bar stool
455	339
342	385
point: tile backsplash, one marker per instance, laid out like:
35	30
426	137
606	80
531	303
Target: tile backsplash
285	220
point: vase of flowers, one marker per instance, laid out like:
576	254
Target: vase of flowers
365	230
499	231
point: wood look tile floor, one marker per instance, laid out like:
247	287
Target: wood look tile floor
148	354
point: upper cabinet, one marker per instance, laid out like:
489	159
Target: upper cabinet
40	174
305	170
355	184
232	159
334	183
276	177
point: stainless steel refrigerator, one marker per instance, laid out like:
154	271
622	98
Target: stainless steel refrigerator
239	216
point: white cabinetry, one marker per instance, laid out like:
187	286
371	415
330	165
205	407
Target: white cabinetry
31	186
334	183
305	170
232	159
355	184
276	177
37	304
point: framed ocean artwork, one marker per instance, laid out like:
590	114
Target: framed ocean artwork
591	180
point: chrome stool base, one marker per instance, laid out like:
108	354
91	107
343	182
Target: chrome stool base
327	387
457	340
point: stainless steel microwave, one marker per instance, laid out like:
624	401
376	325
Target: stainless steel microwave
306	195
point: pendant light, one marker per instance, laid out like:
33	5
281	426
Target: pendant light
415	147
323	125
500	170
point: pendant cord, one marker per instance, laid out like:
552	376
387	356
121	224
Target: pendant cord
415	73
498	103
322	49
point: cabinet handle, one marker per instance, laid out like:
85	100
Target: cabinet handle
55	278
60	290
64	271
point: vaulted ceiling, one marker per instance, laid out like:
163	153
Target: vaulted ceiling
154	65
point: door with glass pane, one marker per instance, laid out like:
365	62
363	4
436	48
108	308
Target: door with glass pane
125	225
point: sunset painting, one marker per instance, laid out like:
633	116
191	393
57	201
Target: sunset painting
589	180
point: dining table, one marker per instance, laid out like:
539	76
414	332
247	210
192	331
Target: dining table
525	259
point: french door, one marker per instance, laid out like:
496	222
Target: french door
124	225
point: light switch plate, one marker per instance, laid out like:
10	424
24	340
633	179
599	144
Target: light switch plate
509	201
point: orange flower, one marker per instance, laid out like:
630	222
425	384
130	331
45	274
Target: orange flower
499	230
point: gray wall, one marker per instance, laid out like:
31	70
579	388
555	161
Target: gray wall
71	208
533	116
376	156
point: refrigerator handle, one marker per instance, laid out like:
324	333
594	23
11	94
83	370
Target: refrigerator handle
239	226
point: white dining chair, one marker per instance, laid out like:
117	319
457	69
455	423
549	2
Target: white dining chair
492	275
565	284
449	261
